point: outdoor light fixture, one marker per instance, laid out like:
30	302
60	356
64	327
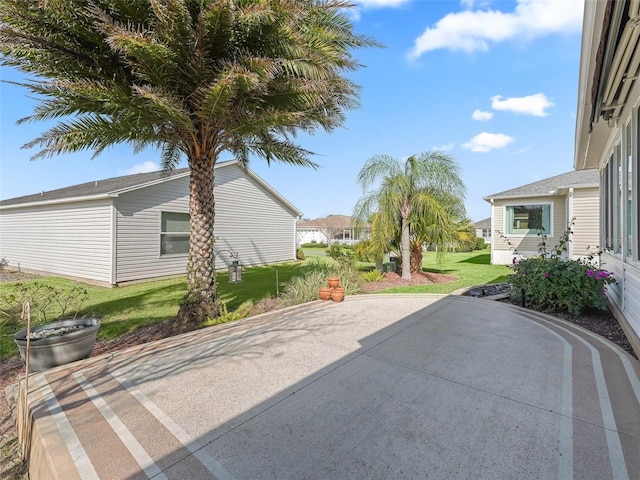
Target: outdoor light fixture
235	271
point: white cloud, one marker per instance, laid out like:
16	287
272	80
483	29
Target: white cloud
145	167
444	148
485	142
473	30
380	3
535	105
356	13
526	149
482	116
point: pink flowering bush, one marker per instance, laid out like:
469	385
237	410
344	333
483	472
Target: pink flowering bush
552	283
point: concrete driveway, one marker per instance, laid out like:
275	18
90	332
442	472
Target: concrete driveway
375	387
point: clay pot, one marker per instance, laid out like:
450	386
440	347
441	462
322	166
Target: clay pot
337	294
333	281
325	293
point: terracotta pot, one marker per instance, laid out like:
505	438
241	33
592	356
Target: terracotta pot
325	293
337	294
333	281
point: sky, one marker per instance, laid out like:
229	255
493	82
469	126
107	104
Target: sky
491	83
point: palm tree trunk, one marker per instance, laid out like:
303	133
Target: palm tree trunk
379	265
416	256
406	252
200	301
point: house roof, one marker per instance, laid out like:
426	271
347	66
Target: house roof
332	221
114	186
552	186
97	188
486	223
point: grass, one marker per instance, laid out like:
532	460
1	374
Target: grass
473	268
123	309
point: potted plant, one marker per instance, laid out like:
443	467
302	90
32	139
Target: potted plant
50	344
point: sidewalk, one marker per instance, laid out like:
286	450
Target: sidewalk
375	387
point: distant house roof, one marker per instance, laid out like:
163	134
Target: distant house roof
486	223
552	186
331	221
112	187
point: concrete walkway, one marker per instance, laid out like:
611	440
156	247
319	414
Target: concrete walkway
375	387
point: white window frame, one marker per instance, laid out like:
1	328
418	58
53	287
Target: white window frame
530	232
164	234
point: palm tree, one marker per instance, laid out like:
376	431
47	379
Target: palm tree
193	78
422	195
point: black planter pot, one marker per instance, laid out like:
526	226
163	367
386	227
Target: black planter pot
57	350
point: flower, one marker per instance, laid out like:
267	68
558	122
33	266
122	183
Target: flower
545	274
590	273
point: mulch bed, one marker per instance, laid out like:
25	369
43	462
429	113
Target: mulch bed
392	279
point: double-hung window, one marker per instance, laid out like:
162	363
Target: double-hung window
174	233
528	219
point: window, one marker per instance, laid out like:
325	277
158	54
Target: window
629	189
617	209
174	233
528	219
613	201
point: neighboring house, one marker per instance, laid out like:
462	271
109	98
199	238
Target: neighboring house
331	229
549	205
137	226
607	138
483	230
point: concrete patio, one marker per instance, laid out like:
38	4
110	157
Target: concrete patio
375	387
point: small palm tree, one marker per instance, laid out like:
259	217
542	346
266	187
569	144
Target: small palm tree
422	194
194	78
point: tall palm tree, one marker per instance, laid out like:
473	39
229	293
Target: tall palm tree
193	78
415	195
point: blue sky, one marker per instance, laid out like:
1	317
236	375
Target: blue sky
492	83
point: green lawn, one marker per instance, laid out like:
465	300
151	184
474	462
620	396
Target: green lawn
123	309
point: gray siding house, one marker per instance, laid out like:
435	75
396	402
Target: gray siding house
136	227
518	214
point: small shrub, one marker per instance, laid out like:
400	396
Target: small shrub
225	316
373	276
300	254
363	251
350	278
45	301
480	243
303	289
314	244
553	283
